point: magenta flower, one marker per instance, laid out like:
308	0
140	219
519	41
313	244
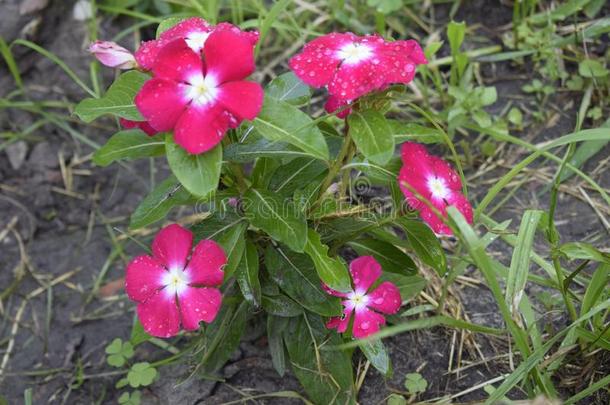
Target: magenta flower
199	99
352	66
195	31
112	55
366	306
175	287
436	182
142	125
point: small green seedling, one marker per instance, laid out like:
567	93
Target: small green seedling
119	352
415	383
141	375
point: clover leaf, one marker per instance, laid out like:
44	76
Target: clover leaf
135	398
141	374
119	352
415	383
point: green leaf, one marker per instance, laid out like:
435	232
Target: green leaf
130	144
280	121
515	116
233	242
116	360
295	274
455	33
167	24
376	353
289	88
275	330
280	305
409	286
584	251
332	271
520	262
117	101
141	374
489	95
247	152
415	383
390	257
597	285
292	176
138	334
425	244
276	216
326	375
199	174
247	275
407	131
155	206
372	135
396	399
592	68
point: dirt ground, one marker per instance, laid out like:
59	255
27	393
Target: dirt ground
58	213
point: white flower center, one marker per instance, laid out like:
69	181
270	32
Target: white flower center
438	188
354	53
202	90
358	299
175	281
196	40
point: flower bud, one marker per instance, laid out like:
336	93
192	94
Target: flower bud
112	55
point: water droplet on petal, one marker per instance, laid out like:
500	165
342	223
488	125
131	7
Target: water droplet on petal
364	325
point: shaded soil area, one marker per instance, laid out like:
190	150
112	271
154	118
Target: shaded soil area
60	217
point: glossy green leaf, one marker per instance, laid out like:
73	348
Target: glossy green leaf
377	354
390	257
276	216
130	144
281	305
155	206
292	176
280	121
275	331
247	275
332	271
118	100
409	286
326	375
167	24
372	135
199	174
233	242
295	274
455	33
247	152
425	244
289	88
584	251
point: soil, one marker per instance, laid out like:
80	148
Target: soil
53	339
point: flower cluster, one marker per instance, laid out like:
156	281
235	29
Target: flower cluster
175	287
429	182
366	306
351	66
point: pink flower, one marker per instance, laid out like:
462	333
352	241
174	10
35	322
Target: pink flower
174	286
352	66
195	31
201	100
142	125
436	182
112	55
365	270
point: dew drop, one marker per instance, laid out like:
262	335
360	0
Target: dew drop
364	325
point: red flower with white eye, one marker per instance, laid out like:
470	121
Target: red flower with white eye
172	289
141	125
201	100
352	66
195	31
435	181
367	307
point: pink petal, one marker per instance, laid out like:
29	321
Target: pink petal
159	315
243	99
366	322
112	54
365	271
334	103
229	56
199	304
146	55
144	277
176	61
201	129
434	221
410	178
354	80
340	323
332	292
142	125
400	60
206	265
462	204
444	171
251	36
172	246
385	298
161	102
